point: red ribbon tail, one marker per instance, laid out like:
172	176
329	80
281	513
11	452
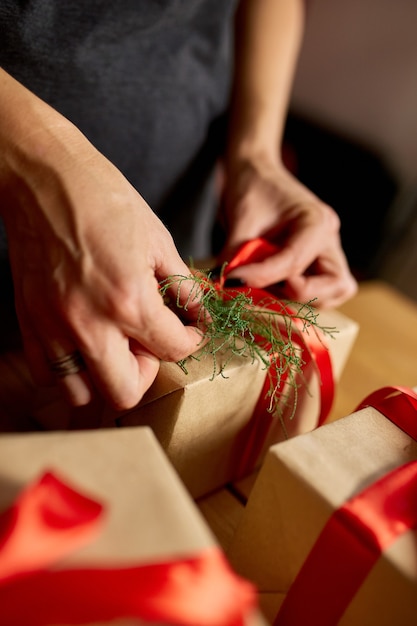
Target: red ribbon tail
49	520
348	547
357	533
199	590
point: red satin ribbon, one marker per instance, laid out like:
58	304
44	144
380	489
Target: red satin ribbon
313	346
252	251
50	520
398	404
356	534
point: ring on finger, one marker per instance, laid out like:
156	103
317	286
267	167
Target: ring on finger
68	364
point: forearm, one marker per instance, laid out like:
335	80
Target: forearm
43	162
35	141
268	38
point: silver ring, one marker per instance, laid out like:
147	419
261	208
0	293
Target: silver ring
68	364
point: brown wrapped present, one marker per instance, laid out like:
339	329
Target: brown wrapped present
152	543
328	529
205	423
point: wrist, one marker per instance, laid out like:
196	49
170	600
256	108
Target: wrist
252	155
253	134
254	139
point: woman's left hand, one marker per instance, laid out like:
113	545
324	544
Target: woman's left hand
266	200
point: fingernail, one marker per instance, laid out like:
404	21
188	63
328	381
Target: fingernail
234	282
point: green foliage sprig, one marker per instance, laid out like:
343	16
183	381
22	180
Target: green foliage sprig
231	324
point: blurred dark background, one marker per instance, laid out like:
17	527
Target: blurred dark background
352	129
352	179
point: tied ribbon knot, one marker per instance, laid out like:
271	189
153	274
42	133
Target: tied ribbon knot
50	520
356	534
314	350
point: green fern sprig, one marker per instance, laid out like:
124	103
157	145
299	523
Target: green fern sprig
231	324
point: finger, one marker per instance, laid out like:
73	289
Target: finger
162	333
121	373
302	245
270	271
326	291
42	351
186	292
45	339
173	340
111	368
76	388
148	366
63	360
329	280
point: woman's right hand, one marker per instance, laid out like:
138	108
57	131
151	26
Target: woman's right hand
87	254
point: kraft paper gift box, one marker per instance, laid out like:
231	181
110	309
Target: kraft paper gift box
301	485
202	420
149	516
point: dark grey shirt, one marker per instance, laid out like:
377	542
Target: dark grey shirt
143	79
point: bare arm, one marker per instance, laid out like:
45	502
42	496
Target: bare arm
86	253
268	38
261	197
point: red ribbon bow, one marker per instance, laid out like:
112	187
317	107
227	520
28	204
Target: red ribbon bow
357	533
50	520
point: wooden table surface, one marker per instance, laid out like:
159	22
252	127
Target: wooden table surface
385	352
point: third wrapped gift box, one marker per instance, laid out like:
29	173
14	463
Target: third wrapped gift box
331	522
96	526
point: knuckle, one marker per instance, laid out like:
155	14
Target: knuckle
174	354
146	320
122	305
293	260
351	288
171	353
331	219
70	307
